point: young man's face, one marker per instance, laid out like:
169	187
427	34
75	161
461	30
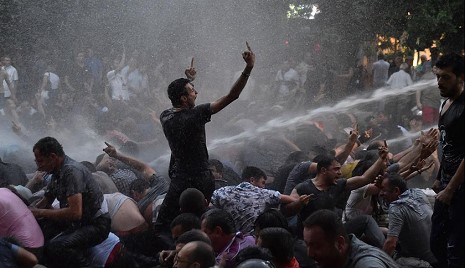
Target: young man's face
45	163
6	62
191	95
387	193
448	83
259	182
333	172
319	247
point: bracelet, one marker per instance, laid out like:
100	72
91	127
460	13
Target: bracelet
245	75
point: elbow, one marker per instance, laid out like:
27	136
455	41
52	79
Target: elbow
76	215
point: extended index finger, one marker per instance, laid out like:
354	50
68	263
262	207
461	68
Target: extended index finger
192	62
107	144
248	46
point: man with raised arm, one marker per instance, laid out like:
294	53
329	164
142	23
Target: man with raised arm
184	128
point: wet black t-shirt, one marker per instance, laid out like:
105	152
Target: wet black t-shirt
452	127
322	199
74	178
185	131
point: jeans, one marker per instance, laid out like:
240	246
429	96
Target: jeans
68	247
447	232
365	224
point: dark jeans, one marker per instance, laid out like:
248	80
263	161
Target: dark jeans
68	247
366	225
170	207
447	231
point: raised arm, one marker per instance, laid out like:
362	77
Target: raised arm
130	161
370	174
342	156
249	58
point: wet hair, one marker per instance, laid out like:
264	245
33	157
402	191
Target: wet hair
395	180
324	162
380	56
138	185
47	146
451	60
271	217
217	164
253	252
329	222
203	254
176	90
193	235
188	221
365	163
374	145
218	217
192	200
251	171
89	166
280	242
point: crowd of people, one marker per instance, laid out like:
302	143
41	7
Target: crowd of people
333	191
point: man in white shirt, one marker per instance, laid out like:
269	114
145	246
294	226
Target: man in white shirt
10	91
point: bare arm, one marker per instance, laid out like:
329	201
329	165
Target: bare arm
135	163
71	213
446	195
418	99
218	105
297	202
344	154
390	245
25	259
370	174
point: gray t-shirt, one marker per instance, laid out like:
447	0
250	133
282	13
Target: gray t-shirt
410	222
363	255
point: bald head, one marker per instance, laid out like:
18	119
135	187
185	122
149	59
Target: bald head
198	254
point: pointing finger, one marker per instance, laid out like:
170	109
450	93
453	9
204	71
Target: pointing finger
248	46
107	144
192	62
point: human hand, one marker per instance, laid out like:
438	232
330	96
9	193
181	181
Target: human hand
110	150
445	196
436	187
191	72
16	127
248	56
383	151
38	176
166	256
304	199
354	134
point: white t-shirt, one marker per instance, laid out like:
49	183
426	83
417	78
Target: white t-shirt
13	76
98	254
53	79
288	78
118	85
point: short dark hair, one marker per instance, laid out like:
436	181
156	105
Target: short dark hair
217	164
453	60
218	217
203	254
192	200
271	217
251	171
280	242
193	235
138	185
329	222
47	146
380	56
253	252
177	89
324	162
188	221
395	180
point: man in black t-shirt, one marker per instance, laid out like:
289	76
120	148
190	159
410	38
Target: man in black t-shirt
184	128
448	218
328	186
82	220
